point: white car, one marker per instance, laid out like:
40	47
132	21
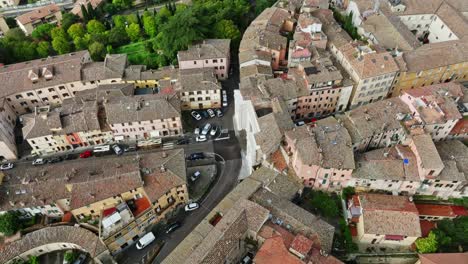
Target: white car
224	93
214	130
197	131
211	113
201	138
196	115
225	104
117	149
7	166
191	206
195	176
39	161
145	240
206	129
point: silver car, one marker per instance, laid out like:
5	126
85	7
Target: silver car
206	129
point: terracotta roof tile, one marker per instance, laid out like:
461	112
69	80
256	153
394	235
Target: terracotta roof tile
273	251
301	244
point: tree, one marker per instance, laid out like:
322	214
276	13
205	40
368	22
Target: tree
91	12
132	19
162	17
58	33
325	204
348	192
9	223
118	36
15	34
95	27
261	5
149	24
123	4
428	244
42	32
43	49
119	21
226	29
133	32
33	260
76	30
61	45
80	43
24	50
69	19
97	51
181	31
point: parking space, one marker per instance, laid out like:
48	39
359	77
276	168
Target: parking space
199	180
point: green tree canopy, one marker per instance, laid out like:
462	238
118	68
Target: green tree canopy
58	33
149	24
97	51
428	244
81	43
325	204
95	27
133	32
43	32
119	21
76	30
118	36
61	45
69	19
226	29
43	49
9	223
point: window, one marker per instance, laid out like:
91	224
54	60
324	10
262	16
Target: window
29	94
215	61
61	87
51	89
194	62
19	96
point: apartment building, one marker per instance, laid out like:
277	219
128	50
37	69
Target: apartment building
435	108
51	80
420	168
383	221
321	155
120	195
8	149
144	117
158	79
49	14
441	258
8	3
210	53
372	71
328	91
72	126
198	89
264	34
377	125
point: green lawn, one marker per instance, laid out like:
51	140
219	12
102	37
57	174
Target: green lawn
136	52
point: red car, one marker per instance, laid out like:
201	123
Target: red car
86	154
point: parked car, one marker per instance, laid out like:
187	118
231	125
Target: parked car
224	93
183	141
206	129
145	240
55	160
86	154
204	114
196	115
201	138
80	259
219	113
300	123
195	176
130	148
39	161
196	156
246	260
69	157
102	148
214	130
117	149
173	227
197	131
7	166
211	113
191	206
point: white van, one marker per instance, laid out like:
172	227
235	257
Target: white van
103	148
145	240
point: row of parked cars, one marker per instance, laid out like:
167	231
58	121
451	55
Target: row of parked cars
202	134
209	113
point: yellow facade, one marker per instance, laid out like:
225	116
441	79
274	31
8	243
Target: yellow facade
144	83
410	80
179	195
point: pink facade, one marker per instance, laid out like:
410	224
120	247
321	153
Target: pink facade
313	175
319	103
220	65
148	129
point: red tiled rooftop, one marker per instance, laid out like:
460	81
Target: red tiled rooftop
440	210
273	251
142	205
317	258
301	244
67	217
443	258
108	211
461	127
459	210
279	161
270	230
426	227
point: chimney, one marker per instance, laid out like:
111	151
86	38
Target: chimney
33	76
48	73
